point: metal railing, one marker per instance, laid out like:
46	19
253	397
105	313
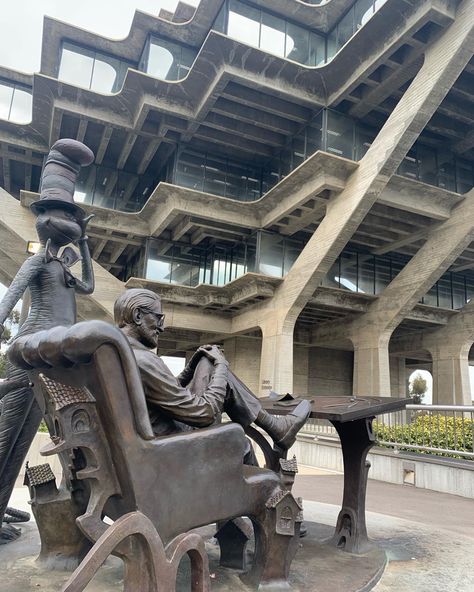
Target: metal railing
443	430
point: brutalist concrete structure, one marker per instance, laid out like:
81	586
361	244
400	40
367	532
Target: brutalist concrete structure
290	176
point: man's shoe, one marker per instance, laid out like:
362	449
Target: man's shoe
283	429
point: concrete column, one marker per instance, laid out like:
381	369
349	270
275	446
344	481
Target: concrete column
243	355
276	362
371	365
451	381
398	379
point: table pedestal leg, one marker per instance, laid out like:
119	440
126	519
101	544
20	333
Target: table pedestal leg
357	438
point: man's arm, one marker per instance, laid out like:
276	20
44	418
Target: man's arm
163	391
185	376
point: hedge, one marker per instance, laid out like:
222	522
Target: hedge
433	430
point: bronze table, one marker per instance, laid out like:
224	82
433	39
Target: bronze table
352	418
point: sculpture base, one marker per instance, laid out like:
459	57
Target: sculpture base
317	567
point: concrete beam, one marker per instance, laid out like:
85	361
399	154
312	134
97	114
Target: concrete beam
104	144
126	150
407	240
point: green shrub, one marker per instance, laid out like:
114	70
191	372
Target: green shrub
430	430
43	427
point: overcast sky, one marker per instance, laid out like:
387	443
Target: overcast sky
21	23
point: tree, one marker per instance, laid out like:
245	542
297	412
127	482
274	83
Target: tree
418	388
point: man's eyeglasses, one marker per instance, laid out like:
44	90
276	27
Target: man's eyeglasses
160	318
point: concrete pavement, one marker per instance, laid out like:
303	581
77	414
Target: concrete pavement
428	538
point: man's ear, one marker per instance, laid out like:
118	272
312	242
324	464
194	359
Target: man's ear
137	316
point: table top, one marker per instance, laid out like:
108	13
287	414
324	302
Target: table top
339	409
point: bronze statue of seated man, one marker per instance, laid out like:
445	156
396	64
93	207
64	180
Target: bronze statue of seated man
204	390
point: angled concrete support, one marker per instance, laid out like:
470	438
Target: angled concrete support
370	333
443	63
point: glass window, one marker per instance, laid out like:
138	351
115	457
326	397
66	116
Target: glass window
190	170
299	150
214	176
331	280
22	106
464	177
181	265
270	175
366	278
431	297
160	258
105	188
446	170
104	75
382	274
339	139
364	138
237	262
314	134
427	165
253	185
348	277
395	267
163	61
167	60
331	44
251	253
292	252
459	290
271	254
236	181
127	198
297	44
363	10
187	58
317	49
92	70
272	35
469	287
244	23
84	191
6	96
345	29
444	291
409	165
76	65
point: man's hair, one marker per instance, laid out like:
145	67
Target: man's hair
131	299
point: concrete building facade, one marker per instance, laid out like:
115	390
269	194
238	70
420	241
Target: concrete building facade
295	179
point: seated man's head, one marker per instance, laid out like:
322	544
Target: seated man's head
138	312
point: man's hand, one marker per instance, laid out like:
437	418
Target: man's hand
213	353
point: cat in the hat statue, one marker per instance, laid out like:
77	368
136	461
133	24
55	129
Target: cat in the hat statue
53	288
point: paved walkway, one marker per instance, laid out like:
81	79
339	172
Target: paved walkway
428	536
